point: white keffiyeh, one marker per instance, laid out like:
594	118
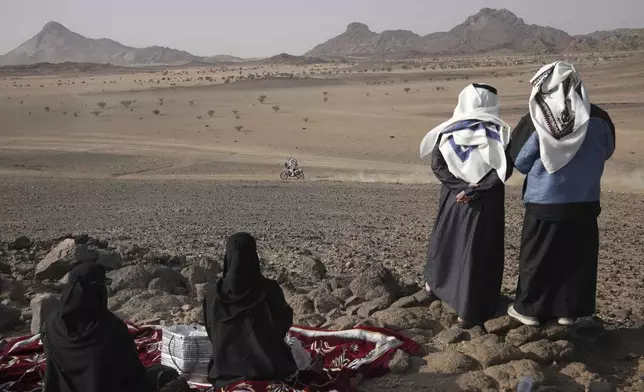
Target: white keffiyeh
473	141
560	111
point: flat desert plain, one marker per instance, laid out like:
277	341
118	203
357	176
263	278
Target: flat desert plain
178	165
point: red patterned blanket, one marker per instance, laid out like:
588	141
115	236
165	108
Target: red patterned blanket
364	350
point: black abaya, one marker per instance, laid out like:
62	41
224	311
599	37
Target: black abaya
466	251
89	349
247	319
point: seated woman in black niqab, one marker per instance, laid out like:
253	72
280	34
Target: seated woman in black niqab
247	319
88	348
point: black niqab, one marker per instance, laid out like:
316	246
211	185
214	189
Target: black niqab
88	348
247	319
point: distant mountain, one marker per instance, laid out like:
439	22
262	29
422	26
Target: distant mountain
222	58
607	41
285	58
488	30
57	44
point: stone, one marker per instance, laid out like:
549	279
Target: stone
489	351
326	303
449	362
42	305
554	331
345	322
475	382
8	316
170	276
476	332
602	386
399	319
579	373
5	268
545	351
501	325
194	316
452	335
509	374
129	277
11	289
301	304
366	309
343	293
353	300
195	274
352	310
200	290
117	300
404	302
205	262
310	320
399	363
108	259
314	267
424	298
62	258
442	313
522	335
151	304
20	243
375	282
160	285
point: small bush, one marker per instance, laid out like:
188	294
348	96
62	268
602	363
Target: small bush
192	103
96	113
199	117
407	89
261	98
211	113
325	99
237	117
305	119
235	112
101	105
325	93
75	114
276	108
47	109
239	127
127	104
161	101
156	112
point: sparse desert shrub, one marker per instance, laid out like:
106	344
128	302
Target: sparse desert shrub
101	105
47	109
407	89
406	81
261	98
21	102
305	119
276	108
237	117
211	113
156	112
368	94
192	103
387	94
325	93
96	113
199	117
64	113
161	101
75	114
239	127
235	112
325	99
127	104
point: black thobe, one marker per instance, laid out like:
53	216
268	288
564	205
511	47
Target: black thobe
89	349
559	248
247	319
466	251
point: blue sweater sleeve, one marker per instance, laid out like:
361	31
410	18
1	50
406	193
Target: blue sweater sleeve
609	138
528	155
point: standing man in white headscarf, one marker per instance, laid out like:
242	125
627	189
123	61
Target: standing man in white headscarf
561	146
466	249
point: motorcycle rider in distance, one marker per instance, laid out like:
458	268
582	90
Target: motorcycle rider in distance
291	166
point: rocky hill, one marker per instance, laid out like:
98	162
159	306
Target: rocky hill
488	30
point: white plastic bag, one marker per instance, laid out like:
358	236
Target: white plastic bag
187	350
301	356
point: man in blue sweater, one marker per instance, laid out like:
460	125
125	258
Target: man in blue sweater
561	147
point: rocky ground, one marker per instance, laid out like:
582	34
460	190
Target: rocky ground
344	254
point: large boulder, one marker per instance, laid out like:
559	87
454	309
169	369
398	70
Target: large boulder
400	362
129	277
152	304
400	319
118	299
8	316
301	304
42	305
314	268
172	279
326	303
62	258
195	275
11	289
108	259
376	282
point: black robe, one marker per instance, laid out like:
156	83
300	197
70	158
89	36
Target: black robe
88	349
559	248
466	251
247	319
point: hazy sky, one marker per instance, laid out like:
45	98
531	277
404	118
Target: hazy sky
254	28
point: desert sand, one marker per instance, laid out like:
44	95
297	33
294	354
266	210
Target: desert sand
74	159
